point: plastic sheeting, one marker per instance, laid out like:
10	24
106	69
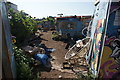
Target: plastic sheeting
42	58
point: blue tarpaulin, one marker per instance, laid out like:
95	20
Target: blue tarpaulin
42	58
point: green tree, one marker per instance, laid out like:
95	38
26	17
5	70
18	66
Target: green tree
22	25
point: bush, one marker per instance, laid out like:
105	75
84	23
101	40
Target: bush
22	25
24	71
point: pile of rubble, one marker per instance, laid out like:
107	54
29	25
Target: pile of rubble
75	57
39	52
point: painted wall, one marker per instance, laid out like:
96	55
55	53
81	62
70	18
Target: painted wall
110	62
69	25
97	33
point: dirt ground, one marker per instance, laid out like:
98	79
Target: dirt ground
58	56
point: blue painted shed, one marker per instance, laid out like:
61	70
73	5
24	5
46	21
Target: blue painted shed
71	24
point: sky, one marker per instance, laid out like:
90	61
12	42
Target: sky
45	8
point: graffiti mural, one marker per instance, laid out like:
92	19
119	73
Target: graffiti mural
116	51
97	44
110	62
104	53
97	30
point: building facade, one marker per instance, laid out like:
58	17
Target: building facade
72	25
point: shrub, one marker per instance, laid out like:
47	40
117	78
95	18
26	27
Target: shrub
22	25
22	65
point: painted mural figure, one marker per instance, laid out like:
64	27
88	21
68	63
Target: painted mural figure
116	52
97	41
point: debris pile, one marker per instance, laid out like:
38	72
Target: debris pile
40	53
75	57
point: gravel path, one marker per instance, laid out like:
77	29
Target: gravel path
58	55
